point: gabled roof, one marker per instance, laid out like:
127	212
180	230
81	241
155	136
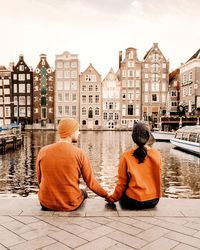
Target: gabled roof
91	66
174	74
149	51
195	56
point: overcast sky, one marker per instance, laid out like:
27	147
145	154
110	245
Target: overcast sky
98	29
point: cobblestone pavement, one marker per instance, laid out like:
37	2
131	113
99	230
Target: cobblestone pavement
174	224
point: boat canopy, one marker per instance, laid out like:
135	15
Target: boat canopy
190	129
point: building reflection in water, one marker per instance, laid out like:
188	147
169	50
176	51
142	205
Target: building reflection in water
180	171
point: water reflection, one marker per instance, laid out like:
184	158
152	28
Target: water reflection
180	175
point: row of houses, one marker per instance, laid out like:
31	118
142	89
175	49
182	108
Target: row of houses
139	90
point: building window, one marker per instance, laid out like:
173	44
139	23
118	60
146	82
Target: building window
155	77
110	105
90	78
60	110
90	87
96	98
96	122
90	113
43	90
84	88
130	64
83	111
67	110
123	95
22	100
110	116
59	97
83	98
190	76
59	85
84	122
130	73
154	98
184	78
130	96
190	90
116	116
130	55
43	101
14	76
21	77
7	111
96	88
73	97
28	76
130	84
73	64
105	116
28	100
66	65
146	87
59	65
173	104
96	111
66	85
74	85
21	67
28	88
66	97
74	110
174	93
59	73
66	74
90	98
130	109
43	113
73	74
22	111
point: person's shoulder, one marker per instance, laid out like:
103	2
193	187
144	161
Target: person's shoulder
154	151
128	152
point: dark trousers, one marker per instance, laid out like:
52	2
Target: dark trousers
129	203
85	196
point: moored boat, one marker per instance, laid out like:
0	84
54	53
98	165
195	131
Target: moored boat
188	139
163	135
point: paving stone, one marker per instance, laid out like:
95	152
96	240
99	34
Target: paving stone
100	244
37	213
184	247
87	224
25	219
96	233
127	239
10	212
182	238
68	239
192	225
190	212
161	243
134	213
71	214
2	247
57	245
5	219
135	223
8	238
153	233
35	233
177	228
120	246
101	220
167	212
124	227
150	220
34	244
177	221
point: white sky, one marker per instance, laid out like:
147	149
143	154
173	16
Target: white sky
98	29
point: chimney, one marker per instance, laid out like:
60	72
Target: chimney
120	58
21	57
11	66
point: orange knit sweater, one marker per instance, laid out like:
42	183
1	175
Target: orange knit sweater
59	167
142	181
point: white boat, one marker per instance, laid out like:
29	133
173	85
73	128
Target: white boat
188	139
163	135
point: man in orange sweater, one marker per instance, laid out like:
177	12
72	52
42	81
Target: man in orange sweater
59	167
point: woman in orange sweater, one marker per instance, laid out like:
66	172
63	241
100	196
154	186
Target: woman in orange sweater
139	173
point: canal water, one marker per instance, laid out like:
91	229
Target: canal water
180	170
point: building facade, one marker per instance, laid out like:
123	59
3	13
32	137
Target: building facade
67	68
90	99
173	96
155	80
5	96
111	101
43	104
190	84
130	78
22	93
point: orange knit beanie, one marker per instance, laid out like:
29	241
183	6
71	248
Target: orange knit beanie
67	126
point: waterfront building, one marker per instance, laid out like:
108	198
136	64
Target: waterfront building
5	96
22	93
67	86
111	101
190	84
130	78
173	95
43	104
155	80
90	99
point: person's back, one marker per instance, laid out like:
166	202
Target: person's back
139	173
59	167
